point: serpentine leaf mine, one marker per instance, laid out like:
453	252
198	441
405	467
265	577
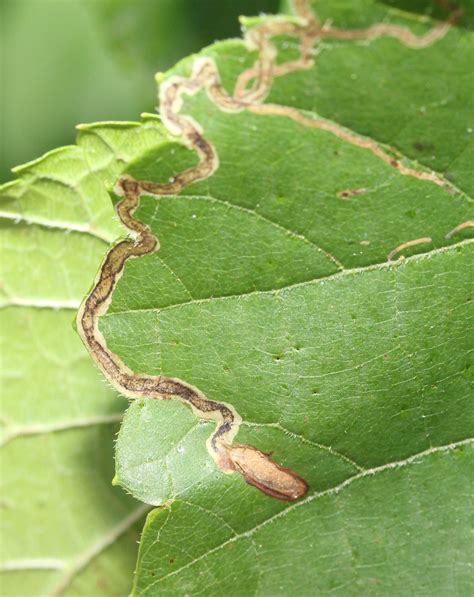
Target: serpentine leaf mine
252	87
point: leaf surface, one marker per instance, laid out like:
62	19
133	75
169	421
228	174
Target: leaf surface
278	289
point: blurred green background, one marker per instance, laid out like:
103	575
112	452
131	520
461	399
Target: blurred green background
64	62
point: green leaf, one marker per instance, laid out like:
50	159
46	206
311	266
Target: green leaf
278	288
64	528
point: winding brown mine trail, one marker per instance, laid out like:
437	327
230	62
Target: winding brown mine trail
251	89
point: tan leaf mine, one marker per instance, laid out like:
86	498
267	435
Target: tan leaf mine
251	89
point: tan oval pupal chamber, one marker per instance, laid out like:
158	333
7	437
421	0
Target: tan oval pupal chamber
259	470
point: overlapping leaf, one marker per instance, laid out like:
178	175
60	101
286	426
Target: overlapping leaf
64	529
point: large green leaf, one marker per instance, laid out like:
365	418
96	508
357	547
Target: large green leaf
64	528
272	291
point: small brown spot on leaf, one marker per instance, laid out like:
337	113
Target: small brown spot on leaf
351	193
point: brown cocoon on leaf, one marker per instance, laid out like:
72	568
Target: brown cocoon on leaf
259	470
